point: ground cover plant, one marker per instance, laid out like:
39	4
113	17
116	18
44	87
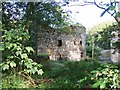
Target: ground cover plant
19	27
80	74
68	75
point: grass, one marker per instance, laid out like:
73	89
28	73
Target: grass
57	75
66	74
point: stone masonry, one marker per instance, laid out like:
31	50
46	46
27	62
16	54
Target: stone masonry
63	46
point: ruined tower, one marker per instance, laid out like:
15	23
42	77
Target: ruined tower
63	46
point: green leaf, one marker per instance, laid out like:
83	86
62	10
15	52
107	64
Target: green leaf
34	63
29	49
28	71
18	48
1	47
103	85
95	85
18	53
9	46
112	8
20	38
5	67
33	71
24	56
30	60
28	65
10	57
13	64
40	72
82	80
35	68
118	14
15	45
2	63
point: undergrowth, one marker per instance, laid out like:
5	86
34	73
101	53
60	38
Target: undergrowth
69	75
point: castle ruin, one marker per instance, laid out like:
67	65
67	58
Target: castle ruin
63	46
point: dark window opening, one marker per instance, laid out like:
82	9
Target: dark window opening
80	42
82	55
74	43
59	43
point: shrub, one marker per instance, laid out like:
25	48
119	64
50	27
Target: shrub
106	76
68	74
16	52
13	82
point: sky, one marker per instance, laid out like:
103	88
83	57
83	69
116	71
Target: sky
89	15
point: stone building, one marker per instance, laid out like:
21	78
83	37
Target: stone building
63	45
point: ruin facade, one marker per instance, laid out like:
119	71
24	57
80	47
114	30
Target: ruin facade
63	46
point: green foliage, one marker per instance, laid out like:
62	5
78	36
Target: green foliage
90	41
106	76
71	75
67	74
89	52
16	52
102	35
118	14
13	82
34	16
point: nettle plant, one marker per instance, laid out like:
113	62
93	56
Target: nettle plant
16	52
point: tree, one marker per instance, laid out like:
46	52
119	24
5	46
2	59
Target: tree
100	38
110	7
21	19
33	16
102	35
92	50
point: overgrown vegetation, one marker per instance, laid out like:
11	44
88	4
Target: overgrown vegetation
69	75
106	76
100	38
16	56
16	52
20	24
80	74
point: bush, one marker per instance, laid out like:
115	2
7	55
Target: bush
68	74
106	76
16	52
13	82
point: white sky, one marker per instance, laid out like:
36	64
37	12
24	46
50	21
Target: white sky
89	15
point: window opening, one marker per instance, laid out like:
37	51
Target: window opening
80	42
74	43
82	54
59	43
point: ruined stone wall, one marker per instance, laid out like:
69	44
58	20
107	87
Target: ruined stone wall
63	46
